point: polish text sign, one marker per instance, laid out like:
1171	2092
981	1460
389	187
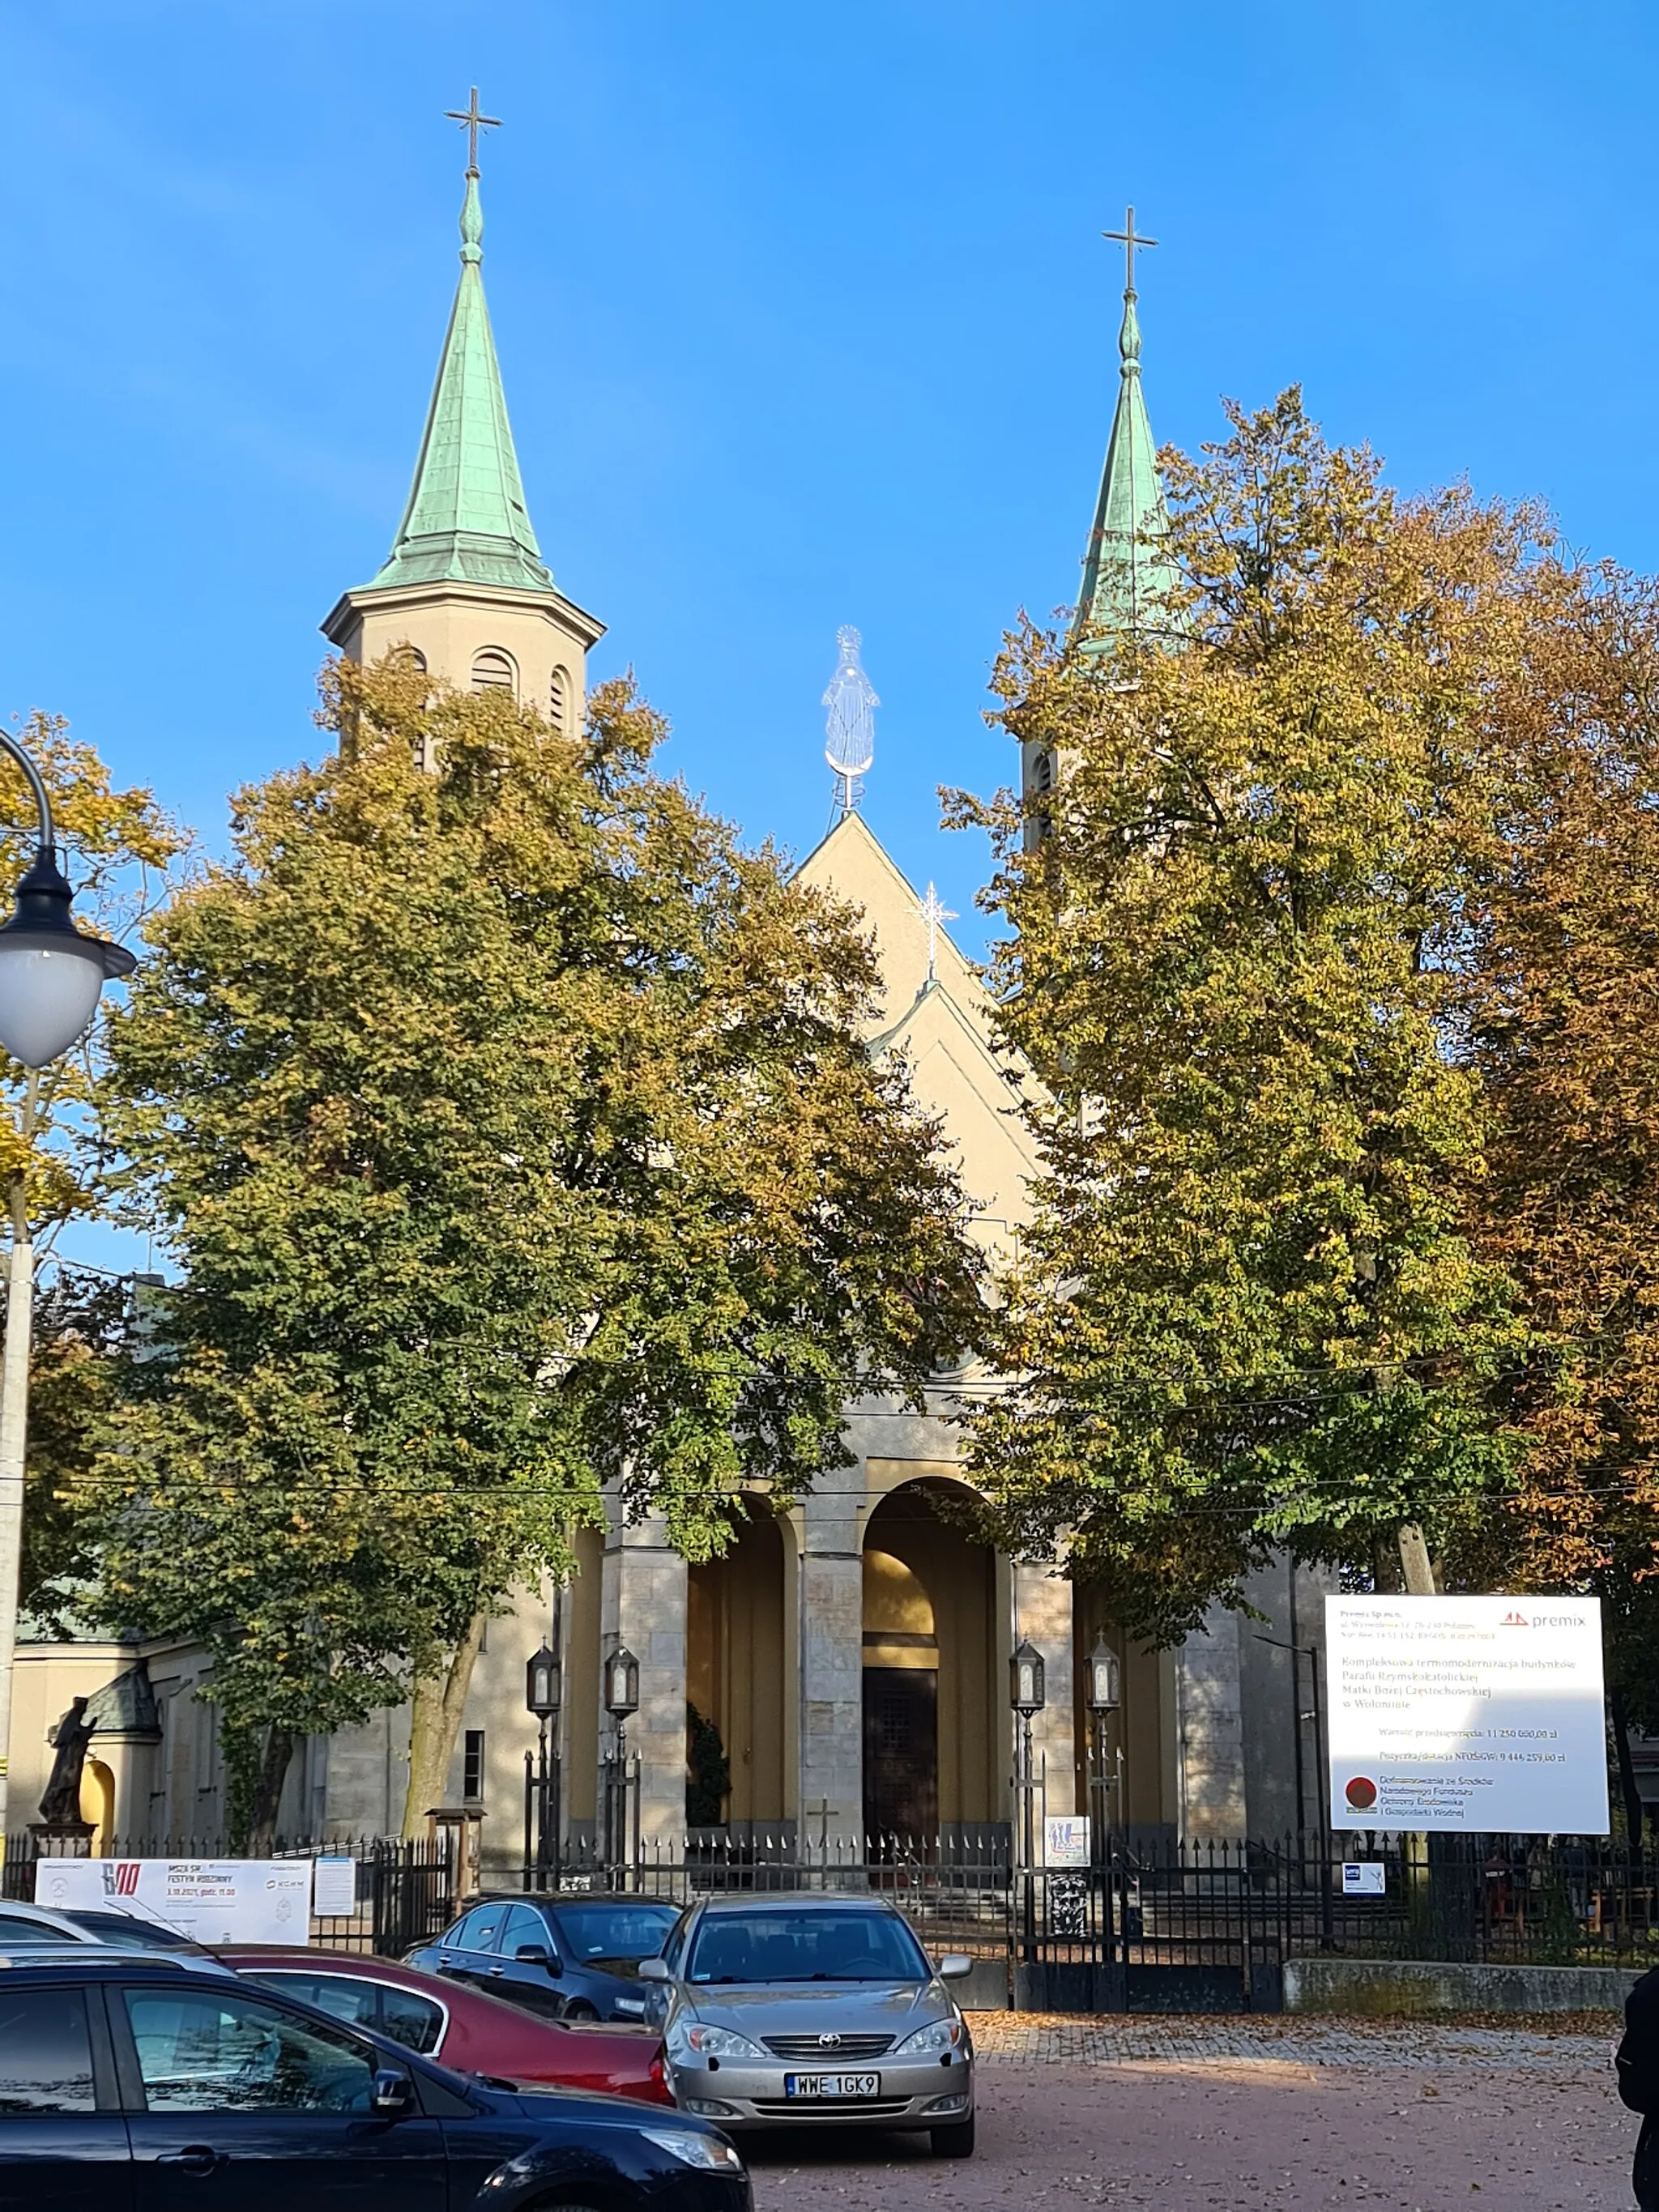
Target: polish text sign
210	1900
1470	1713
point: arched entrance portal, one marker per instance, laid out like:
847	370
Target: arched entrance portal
736	1683
930	1757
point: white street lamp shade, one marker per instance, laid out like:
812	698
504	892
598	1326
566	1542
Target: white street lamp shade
48	994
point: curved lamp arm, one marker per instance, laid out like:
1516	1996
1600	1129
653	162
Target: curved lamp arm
9	745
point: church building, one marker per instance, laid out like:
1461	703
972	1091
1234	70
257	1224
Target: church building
850	1660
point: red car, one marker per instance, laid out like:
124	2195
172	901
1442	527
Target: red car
462	2027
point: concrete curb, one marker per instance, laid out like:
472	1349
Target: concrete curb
1423	1988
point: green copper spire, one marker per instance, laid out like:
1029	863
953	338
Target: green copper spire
1128	574
466	520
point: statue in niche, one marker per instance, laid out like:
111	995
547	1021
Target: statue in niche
60	1807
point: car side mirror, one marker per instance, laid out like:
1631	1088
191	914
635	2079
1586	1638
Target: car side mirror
536	1954
955	1966
654	1970
393	2096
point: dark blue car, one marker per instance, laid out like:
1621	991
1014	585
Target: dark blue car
135	2082
572	1956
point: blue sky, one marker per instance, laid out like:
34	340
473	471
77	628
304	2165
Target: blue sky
805	319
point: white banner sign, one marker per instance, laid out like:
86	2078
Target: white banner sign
211	1901
1467	1713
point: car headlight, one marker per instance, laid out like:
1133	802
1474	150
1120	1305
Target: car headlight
693	2041
712	2154
938	2035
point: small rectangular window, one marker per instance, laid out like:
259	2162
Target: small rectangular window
472	1764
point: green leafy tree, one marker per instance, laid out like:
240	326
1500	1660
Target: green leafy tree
511	1129
1250	1312
80	1324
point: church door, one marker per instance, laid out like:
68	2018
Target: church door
901	1755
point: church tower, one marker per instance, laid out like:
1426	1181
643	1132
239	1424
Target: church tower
1128	575
466	588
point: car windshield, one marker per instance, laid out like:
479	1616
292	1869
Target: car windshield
128	1927
858	1945
615	1931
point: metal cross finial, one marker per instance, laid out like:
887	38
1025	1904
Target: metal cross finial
472	122
1128	238
934	910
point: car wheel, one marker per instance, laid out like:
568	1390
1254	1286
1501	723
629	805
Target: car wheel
954	2142
579	2008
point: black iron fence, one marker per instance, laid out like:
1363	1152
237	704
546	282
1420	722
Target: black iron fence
1149	1926
405	1892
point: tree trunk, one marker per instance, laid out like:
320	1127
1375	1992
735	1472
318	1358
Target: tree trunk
1415	1562
268	1792
1634	1810
433	1724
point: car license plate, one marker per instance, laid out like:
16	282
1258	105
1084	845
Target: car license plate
810	2086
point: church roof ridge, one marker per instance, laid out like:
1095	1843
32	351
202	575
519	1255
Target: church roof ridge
466	520
1127	573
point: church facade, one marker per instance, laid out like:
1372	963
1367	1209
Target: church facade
847	1661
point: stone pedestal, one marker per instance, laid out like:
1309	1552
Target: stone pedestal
643	1608
62	1839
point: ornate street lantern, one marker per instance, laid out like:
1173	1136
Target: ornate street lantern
1025	1680
621	1684
541	1684
1104	1692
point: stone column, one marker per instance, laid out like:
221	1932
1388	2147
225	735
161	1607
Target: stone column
1042	1616
832	1673
644	1607
1210	1730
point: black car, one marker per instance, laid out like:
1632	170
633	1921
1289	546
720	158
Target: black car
134	2080
575	1956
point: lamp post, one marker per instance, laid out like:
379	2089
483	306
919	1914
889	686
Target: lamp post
541	1699
50	978
1104	1695
622	1701
1025	1695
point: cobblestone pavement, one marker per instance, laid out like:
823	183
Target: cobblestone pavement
1251	2115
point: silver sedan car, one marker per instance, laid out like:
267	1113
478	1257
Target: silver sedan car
812	2009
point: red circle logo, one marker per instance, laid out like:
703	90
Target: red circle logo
1361	1793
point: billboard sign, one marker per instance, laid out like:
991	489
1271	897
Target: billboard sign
1467	1713
210	1900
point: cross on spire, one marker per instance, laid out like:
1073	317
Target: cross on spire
1128	238
934	910
472	123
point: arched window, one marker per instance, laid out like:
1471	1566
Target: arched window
558	701
1042	772
409	658
492	669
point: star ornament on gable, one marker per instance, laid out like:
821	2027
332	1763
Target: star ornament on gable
934	911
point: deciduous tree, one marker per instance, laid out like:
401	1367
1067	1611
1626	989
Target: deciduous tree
1249	1311
511	1129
